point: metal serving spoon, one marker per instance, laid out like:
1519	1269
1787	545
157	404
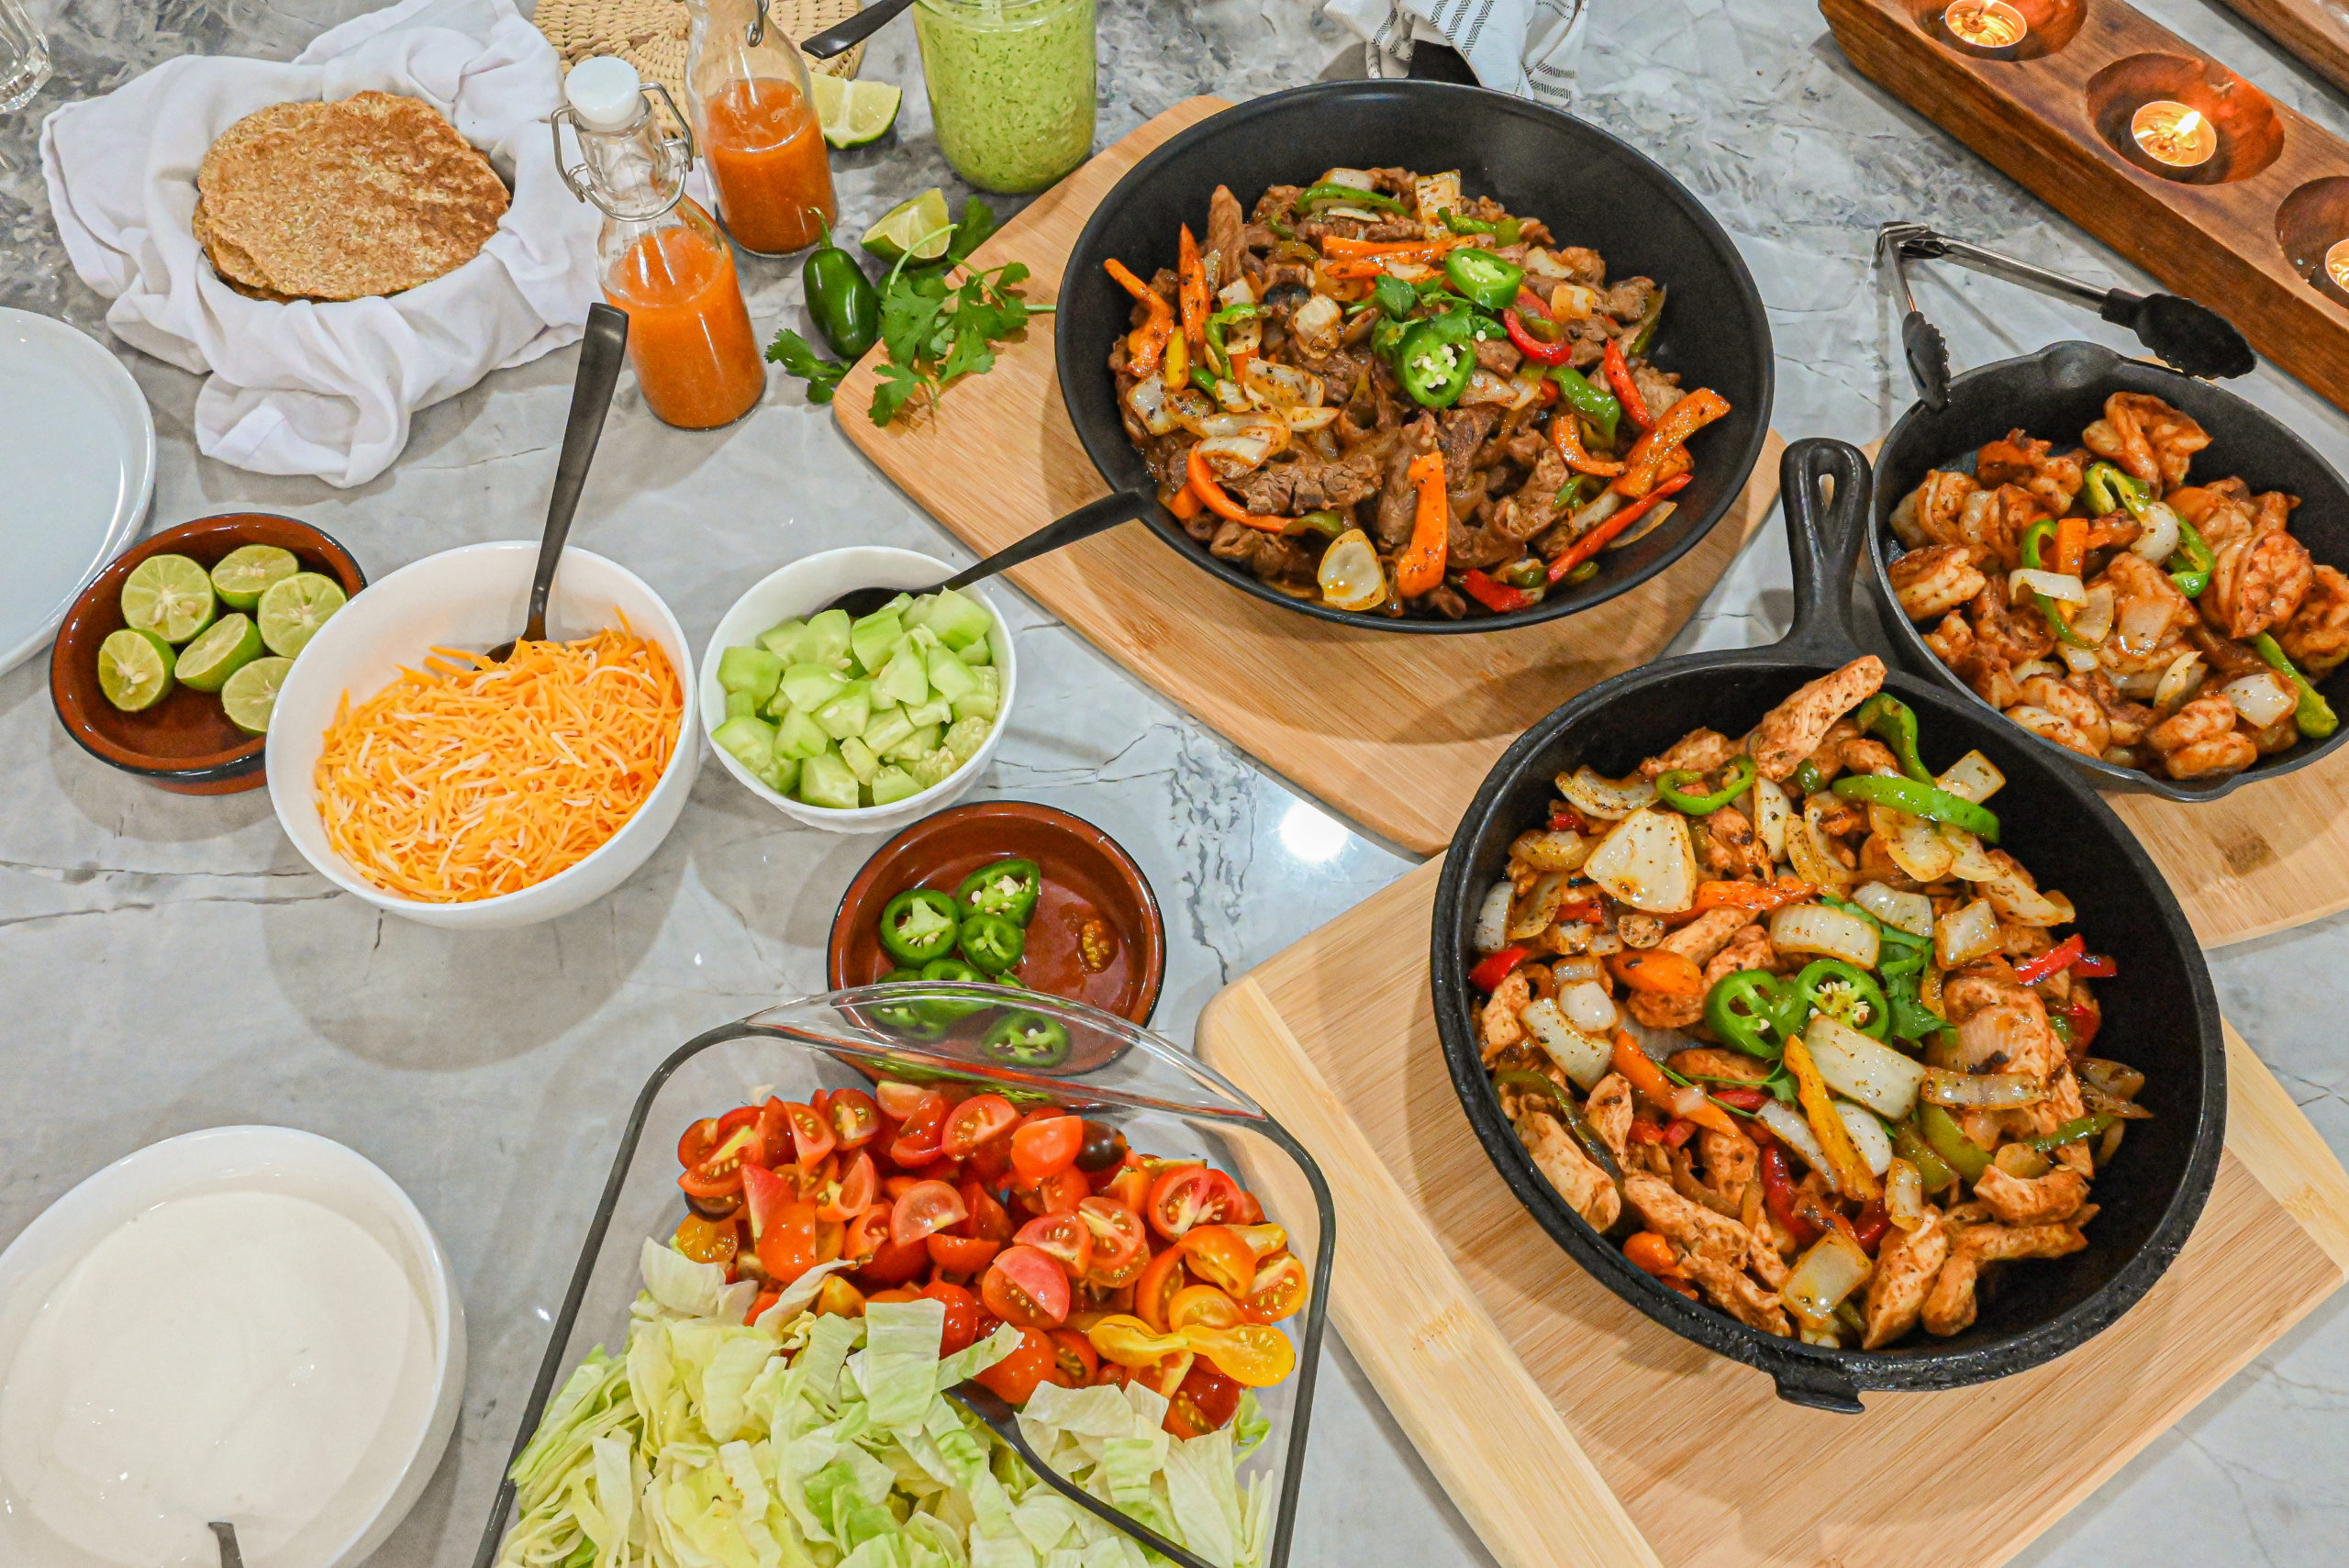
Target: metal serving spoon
989	1407
600	351
2184	336
855	31
226	1534
1098	516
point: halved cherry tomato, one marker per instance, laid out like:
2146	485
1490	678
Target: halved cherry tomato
980	1119
812	1137
1132	1342
924	1208
733	1143
1245	1209
988	1221
894	1293
1130	1186
1062	1237
1105	1150
898	1099
1262	1240
1183	1196
1060	1193
991	1162
1046	1146
1036	1360
1217	1256
838	1298
894	1264
855	1118
917	1143
1202	1305
1154	1292
1167	1375
701	1140
1255	1354
868	1232
960	1254
857	1189
774	1132
1075	1356
1116	1230
765	1299
709	1240
1026	1288
1205	1402
1278	1290
963	1314
1117	1279
782	1227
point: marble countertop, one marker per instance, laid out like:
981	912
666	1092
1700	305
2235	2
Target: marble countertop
169	963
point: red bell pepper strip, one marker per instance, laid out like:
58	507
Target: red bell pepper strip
1588	912
1646	1132
1533	348
1566	820
1497	967
2097	966
1741	1099
1869	1228
1591	543
1778	1195
1419	569
2085	1018
1206	487
1679	1132
1644	467
2054	961
1498	597
1619	377
1565	434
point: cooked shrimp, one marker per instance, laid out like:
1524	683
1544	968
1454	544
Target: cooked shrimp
2053	726
2261	575
2200	741
1929	514
2150	440
2075	706
1933	581
2317	637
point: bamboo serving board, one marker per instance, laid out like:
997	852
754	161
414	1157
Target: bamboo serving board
1569	1429
2311	31
1395	732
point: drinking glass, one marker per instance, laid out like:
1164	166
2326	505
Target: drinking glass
24	56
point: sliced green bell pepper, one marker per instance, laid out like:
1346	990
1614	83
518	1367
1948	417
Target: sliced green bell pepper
1213	332
1948	1140
1673	787
2034	544
1584	1134
1334	195
1644	333
2109	490
1928	801
2314	716
1459	225
1895	723
2079	1130
1910	1145
1594	404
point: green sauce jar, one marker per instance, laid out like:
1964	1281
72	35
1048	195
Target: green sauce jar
1011	88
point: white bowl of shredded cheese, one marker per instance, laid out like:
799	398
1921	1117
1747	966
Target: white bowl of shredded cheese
473	599
248	1323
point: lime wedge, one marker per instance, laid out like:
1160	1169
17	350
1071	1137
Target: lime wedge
919	228
224	647
246	572
135	670
855	113
169	595
292	611
251	691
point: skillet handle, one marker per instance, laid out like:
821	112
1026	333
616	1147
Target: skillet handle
1823	537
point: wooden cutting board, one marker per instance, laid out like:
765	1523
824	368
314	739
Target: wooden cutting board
1397	733
1569	1429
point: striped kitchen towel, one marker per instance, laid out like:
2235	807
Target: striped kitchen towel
1526	47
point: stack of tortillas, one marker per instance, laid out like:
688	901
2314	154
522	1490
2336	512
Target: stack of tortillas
369	195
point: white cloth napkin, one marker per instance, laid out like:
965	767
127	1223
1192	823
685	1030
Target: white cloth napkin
327	389
1525	47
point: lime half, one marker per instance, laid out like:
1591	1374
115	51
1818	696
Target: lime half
224	647
246	572
918	227
293	610
249	694
855	113
135	670
169	595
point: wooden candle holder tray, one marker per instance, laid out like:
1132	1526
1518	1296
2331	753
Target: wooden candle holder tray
2244	233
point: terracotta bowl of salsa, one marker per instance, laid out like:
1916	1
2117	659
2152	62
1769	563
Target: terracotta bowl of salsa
1087	880
184	743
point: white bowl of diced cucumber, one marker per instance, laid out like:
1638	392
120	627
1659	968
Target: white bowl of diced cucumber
857	727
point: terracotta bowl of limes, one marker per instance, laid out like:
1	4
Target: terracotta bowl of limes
168	664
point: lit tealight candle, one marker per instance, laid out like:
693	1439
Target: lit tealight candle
2173	134
2336	263
1984	26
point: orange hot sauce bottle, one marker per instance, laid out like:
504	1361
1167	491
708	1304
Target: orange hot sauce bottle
660	257
746	86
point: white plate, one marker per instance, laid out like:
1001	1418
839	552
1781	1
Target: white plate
77	468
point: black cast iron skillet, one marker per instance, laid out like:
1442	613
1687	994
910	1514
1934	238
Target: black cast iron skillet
1590	188
2053	395
2160	1014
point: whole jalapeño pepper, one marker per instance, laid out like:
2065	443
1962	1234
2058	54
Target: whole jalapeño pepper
846	306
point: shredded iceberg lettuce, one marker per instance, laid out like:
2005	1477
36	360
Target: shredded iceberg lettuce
802	1441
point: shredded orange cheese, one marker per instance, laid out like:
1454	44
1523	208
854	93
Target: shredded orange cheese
466	780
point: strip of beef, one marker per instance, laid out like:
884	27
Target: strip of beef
1291	489
1398	502
1269	556
1224	250
1499	356
1460	433
1535	505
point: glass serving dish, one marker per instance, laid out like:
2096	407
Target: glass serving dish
1164	1102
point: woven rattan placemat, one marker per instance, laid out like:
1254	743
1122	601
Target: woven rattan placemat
651	34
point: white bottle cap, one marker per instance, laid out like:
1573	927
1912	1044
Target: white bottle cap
606	94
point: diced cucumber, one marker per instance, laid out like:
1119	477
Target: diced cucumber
845	715
887	730
827	639
897	606
937	710
988	677
949	676
977	654
920	743
751	670
917	613
800	735
965	736
812	685
922	637
892	784
781	774
787	642
872	638
978	704
860	760
742	705
748	741
933	769
826	781
903	680
959	622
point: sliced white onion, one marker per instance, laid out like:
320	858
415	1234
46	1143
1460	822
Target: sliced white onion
1904	1194
1484	386
2178	682
1236	455
1360	214
1350	577
2012	898
1610	500
2263	698
2142	621
1308	418
1594	795
1406	271
1276	385
1793	1131
1963	935
1919	851
1972	777
1584	1058
1647	861
1358	179
1812	857
1239	291
2095	621
1244	341
1771	814
1147	398
1868	1136
1828	1273
2061	587
1862	1069
1644	527
1552	850
2080	661
1817	928
1540	905
1910	912
1541	263
1981	1091
1588	1007
1318	324
1573	302
1491	932
2159	540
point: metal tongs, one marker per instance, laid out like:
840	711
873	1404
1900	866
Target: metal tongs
2188	337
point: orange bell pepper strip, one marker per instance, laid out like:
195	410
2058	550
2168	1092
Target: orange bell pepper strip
1755	896
1643	466
1204	486
1652	1255
1191	292
1339	245
1648	1079
1419	569
1657	971
1591	543
1184	503
1146	344
1851	1172
1627	392
2071	545
1565	434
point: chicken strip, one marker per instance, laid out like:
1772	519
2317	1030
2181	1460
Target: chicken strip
1608	1111
1731	1159
2037	1200
1731	849
1588	1190
1501	1028
1705	935
1712	1249
1950	1308
1905	1269
1750	949
1699	750
1793	729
